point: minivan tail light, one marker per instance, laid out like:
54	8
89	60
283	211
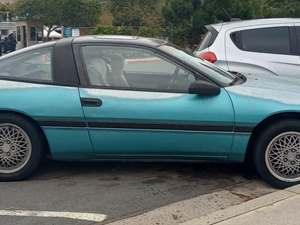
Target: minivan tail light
208	56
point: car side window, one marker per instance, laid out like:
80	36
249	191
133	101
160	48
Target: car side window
133	68
35	65
275	40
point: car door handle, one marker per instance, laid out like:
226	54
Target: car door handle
91	102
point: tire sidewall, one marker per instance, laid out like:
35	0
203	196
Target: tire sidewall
263	141
37	146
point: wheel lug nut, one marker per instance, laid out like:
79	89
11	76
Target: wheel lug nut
12	148
293	162
8	154
285	159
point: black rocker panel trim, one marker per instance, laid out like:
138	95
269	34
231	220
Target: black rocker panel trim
60	123
161	126
148	126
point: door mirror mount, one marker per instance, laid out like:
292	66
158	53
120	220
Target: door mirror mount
204	88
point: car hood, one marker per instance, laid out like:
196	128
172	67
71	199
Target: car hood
268	87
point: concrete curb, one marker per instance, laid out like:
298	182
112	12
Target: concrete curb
196	207
238	210
177	213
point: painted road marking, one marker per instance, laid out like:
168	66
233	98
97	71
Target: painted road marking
93	217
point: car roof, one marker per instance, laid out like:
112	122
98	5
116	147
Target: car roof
253	22
118	39
115	39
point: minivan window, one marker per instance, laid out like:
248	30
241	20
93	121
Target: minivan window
275	40
208	39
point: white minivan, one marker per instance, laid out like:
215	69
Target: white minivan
262	46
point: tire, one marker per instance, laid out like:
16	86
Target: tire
276	163
21	147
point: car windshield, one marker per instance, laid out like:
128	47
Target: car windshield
211	71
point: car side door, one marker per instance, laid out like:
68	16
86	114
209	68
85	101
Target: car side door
136	103
264	50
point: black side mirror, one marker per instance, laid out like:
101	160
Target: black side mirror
204	88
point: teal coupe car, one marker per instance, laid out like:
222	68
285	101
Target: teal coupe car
116	97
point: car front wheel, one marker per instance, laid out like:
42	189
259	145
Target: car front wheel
277	154
21	148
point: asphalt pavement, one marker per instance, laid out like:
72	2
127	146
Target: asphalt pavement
116	191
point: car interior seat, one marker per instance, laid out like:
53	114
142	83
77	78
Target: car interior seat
97	70
117	77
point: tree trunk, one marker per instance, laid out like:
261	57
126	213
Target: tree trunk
50	29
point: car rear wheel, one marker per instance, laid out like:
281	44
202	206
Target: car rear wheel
21	148
277	154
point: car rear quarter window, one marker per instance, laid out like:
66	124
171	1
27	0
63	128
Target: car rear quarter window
35	65
275	40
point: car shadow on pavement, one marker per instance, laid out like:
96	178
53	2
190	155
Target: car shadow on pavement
189	171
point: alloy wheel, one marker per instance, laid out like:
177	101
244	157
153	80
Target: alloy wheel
282	157
15	148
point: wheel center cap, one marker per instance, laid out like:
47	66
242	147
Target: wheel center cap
6	148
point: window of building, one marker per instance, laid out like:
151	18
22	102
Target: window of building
33	34
4	32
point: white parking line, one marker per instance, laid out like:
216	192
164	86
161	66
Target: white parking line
93	217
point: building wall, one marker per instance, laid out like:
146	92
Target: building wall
7	28
25	37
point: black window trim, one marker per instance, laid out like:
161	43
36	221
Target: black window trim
83	76
65	69
297	26
293	50
293	39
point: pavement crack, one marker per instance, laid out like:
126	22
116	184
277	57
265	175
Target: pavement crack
242	196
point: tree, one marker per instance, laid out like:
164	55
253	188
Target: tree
136	13
281	8
178	15
6	9
54	13
186	18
